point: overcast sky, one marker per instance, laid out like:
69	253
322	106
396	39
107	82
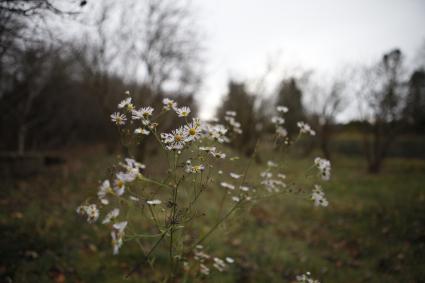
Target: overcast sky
321	35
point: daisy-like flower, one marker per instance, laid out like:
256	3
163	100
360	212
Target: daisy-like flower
183	111
194	169
305	128
281	132
193	130
141	131
324	167
117	236
218	154
111	216
318	196
282	109
90	211
169	104
125	103
133	169
154	202
227	185
143	113
104	190
120	181
118	118
176	140
278	120
234	175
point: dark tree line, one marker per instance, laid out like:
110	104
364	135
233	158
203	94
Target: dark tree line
59	92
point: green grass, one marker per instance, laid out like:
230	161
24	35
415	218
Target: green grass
372	231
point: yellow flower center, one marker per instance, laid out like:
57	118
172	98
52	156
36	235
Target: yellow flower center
120	183
178	138
192	131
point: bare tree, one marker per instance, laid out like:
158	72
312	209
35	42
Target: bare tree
381	94
327	102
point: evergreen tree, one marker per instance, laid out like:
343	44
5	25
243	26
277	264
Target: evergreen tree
290	95
240	101
414	111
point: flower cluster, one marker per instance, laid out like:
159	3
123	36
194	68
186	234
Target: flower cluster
272	181
306	278
90	211
206	261
278	121
193	148
305	128
318	196
324	167
230	118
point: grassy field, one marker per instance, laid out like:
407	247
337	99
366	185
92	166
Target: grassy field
372	231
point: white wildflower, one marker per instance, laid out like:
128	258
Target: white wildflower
305	128
175	140
169	104
219	264
120	181
230	260
117	236
141	131
125	103
218	154
217	132
183	111
143	113
193	130
236	199
281	132
318	196
104	189
234	175
154	202
227	185
306	278
282	109
244	188
194	169
111	216
118	118
324	167
278	120
90	211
